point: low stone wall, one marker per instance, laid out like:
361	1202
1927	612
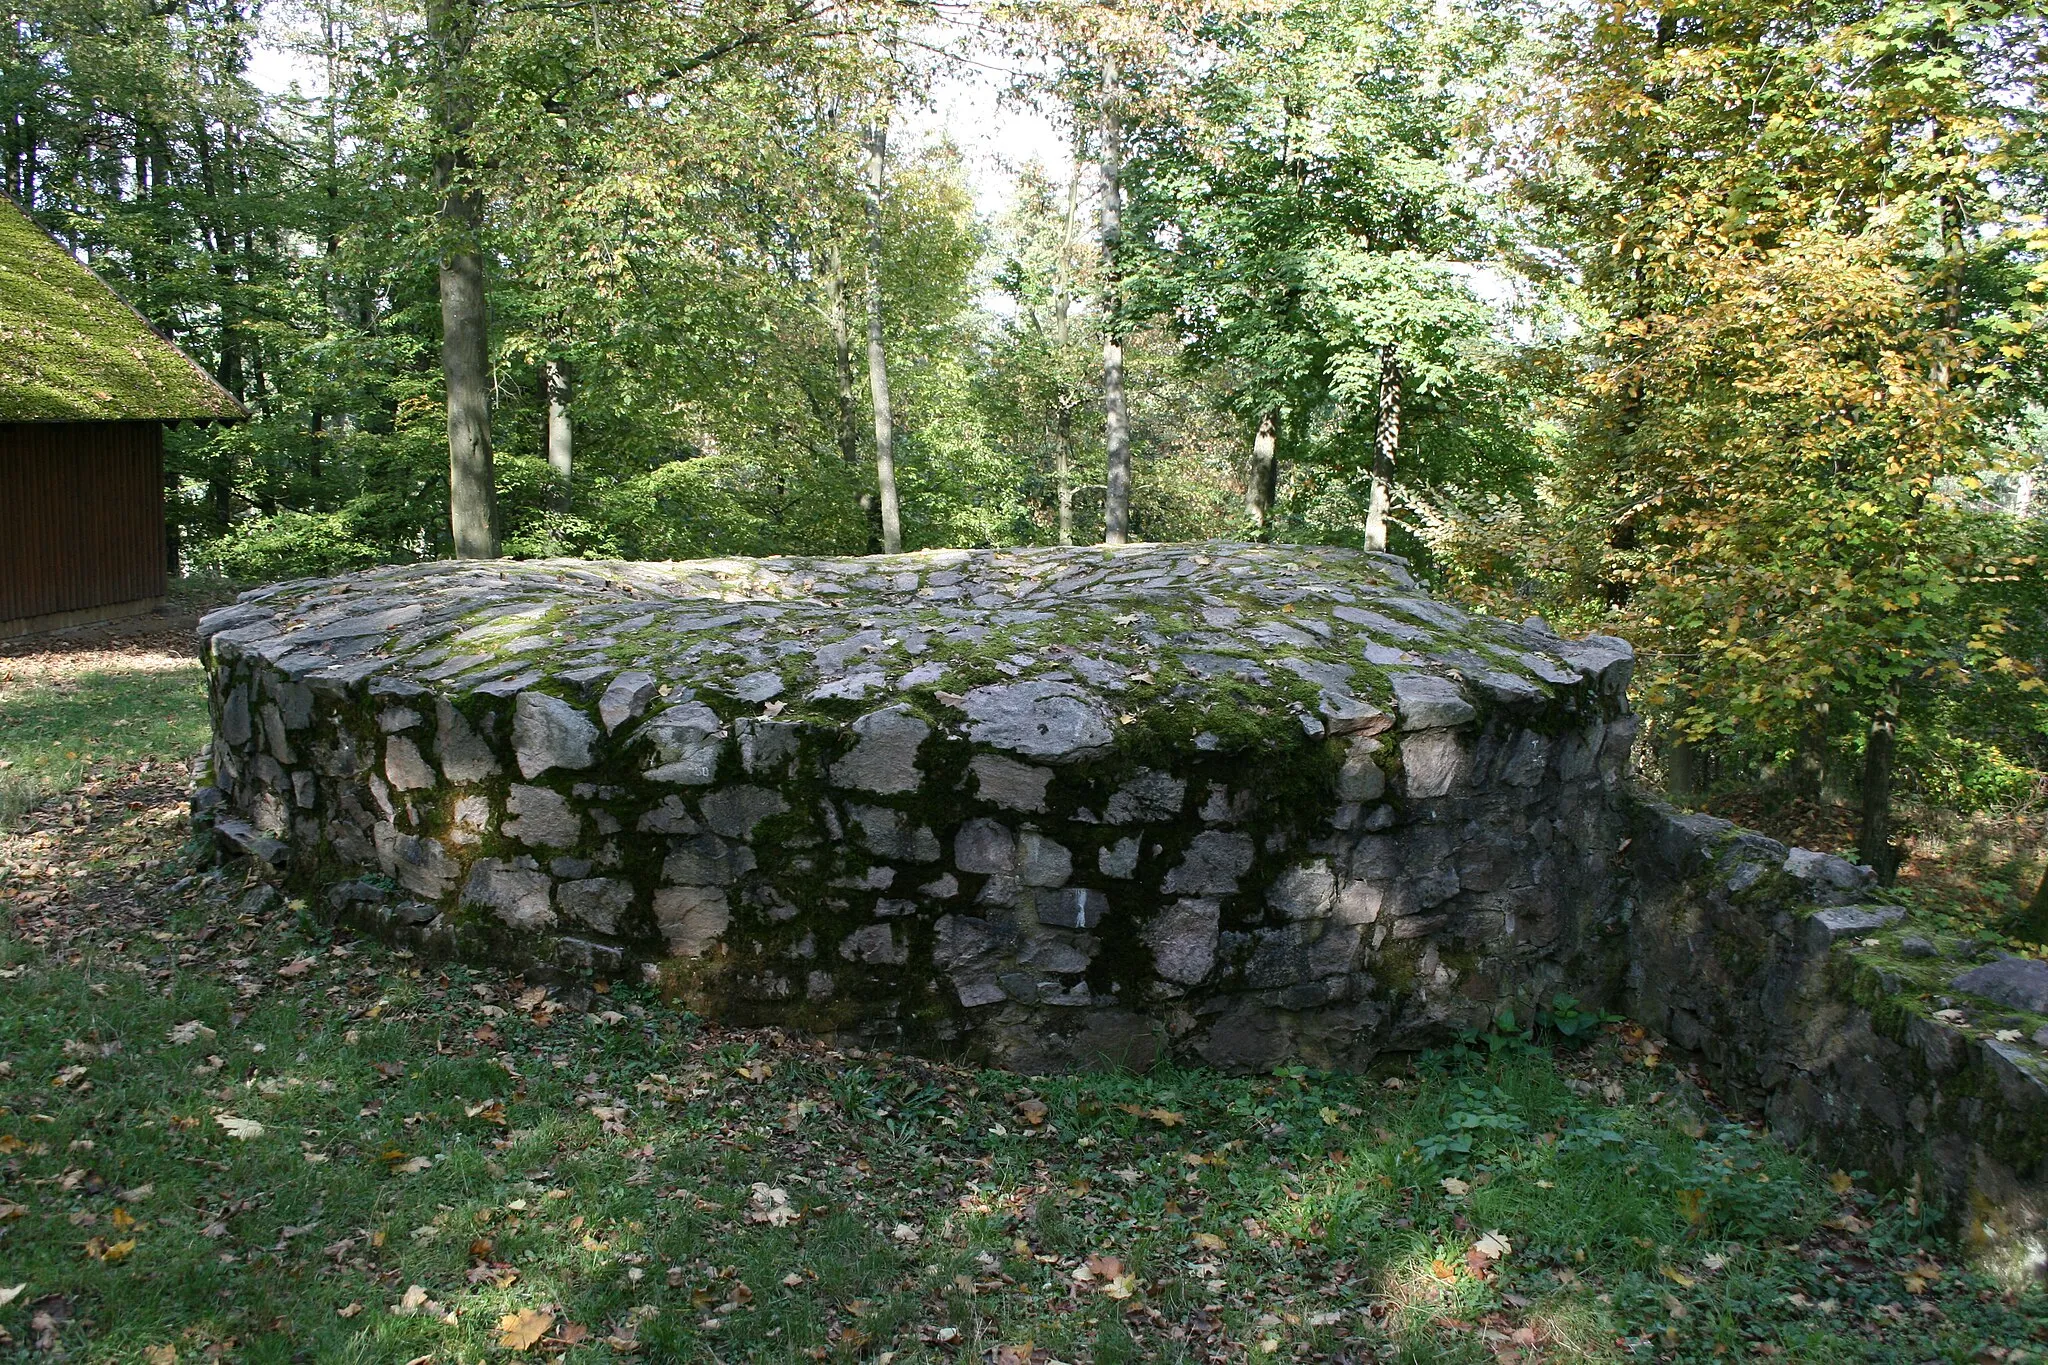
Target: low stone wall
1048	806
1856	1034
1056	808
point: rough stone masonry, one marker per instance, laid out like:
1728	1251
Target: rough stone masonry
1063	807
1050	806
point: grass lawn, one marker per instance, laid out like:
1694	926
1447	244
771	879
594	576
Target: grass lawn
225	1134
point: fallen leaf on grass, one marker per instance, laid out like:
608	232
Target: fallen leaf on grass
296	968
239	1128
110	1254
191	1031
11	1293
771	1206
523	1330
348	1310
1455	1187
1033	1111
1493	1246
160	1355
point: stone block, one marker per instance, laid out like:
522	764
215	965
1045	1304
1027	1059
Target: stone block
2020	982
884	757
1214	861
1007	783
548	732
541	818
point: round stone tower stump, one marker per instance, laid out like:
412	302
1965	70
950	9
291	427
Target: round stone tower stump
1053	807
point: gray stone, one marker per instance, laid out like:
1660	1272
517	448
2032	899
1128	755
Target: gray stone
1304	891
885	757
1182	938
464	755
1360	779
1433	764
1215	860
985	846
541	818
421	865
767	746
626	698
1830	880
735	811
2020	982
758	687
1119	859
1007	783
704	861
670	817
600	902
1077	907
548	732
1913	945
520	896
688	741
692	918
1823	927
1061	956
1427	702
1148	796
890	833
1050	720
1041	861
875	944
405	767
393	719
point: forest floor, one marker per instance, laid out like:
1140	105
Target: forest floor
227	1134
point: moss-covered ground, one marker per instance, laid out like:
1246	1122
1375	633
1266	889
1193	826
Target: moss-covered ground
226	1134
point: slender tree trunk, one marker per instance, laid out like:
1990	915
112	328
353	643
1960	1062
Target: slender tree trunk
846	428
1116	504
1264	483
2034	919
1880	752
878	358
561	432
1063	471
465	324
465	365
1386	448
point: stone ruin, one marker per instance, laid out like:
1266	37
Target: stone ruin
1063	807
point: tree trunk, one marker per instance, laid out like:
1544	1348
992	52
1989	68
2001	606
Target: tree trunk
2033	921
1880	750
465	326
1063	472
1116	505
1264	483
1386	447
846	427
561	434
878	359
465	365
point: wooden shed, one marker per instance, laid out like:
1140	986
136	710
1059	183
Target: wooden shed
86	389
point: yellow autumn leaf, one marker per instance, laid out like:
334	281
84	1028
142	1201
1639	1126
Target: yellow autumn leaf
1841	1182
523	1330
1678	1278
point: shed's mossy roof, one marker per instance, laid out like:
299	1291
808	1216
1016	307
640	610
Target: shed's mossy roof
72	351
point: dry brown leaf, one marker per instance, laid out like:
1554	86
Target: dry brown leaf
523	1330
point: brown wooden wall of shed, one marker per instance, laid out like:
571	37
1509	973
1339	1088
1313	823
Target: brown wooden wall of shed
81	515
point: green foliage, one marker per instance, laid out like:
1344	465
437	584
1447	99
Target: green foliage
290	545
